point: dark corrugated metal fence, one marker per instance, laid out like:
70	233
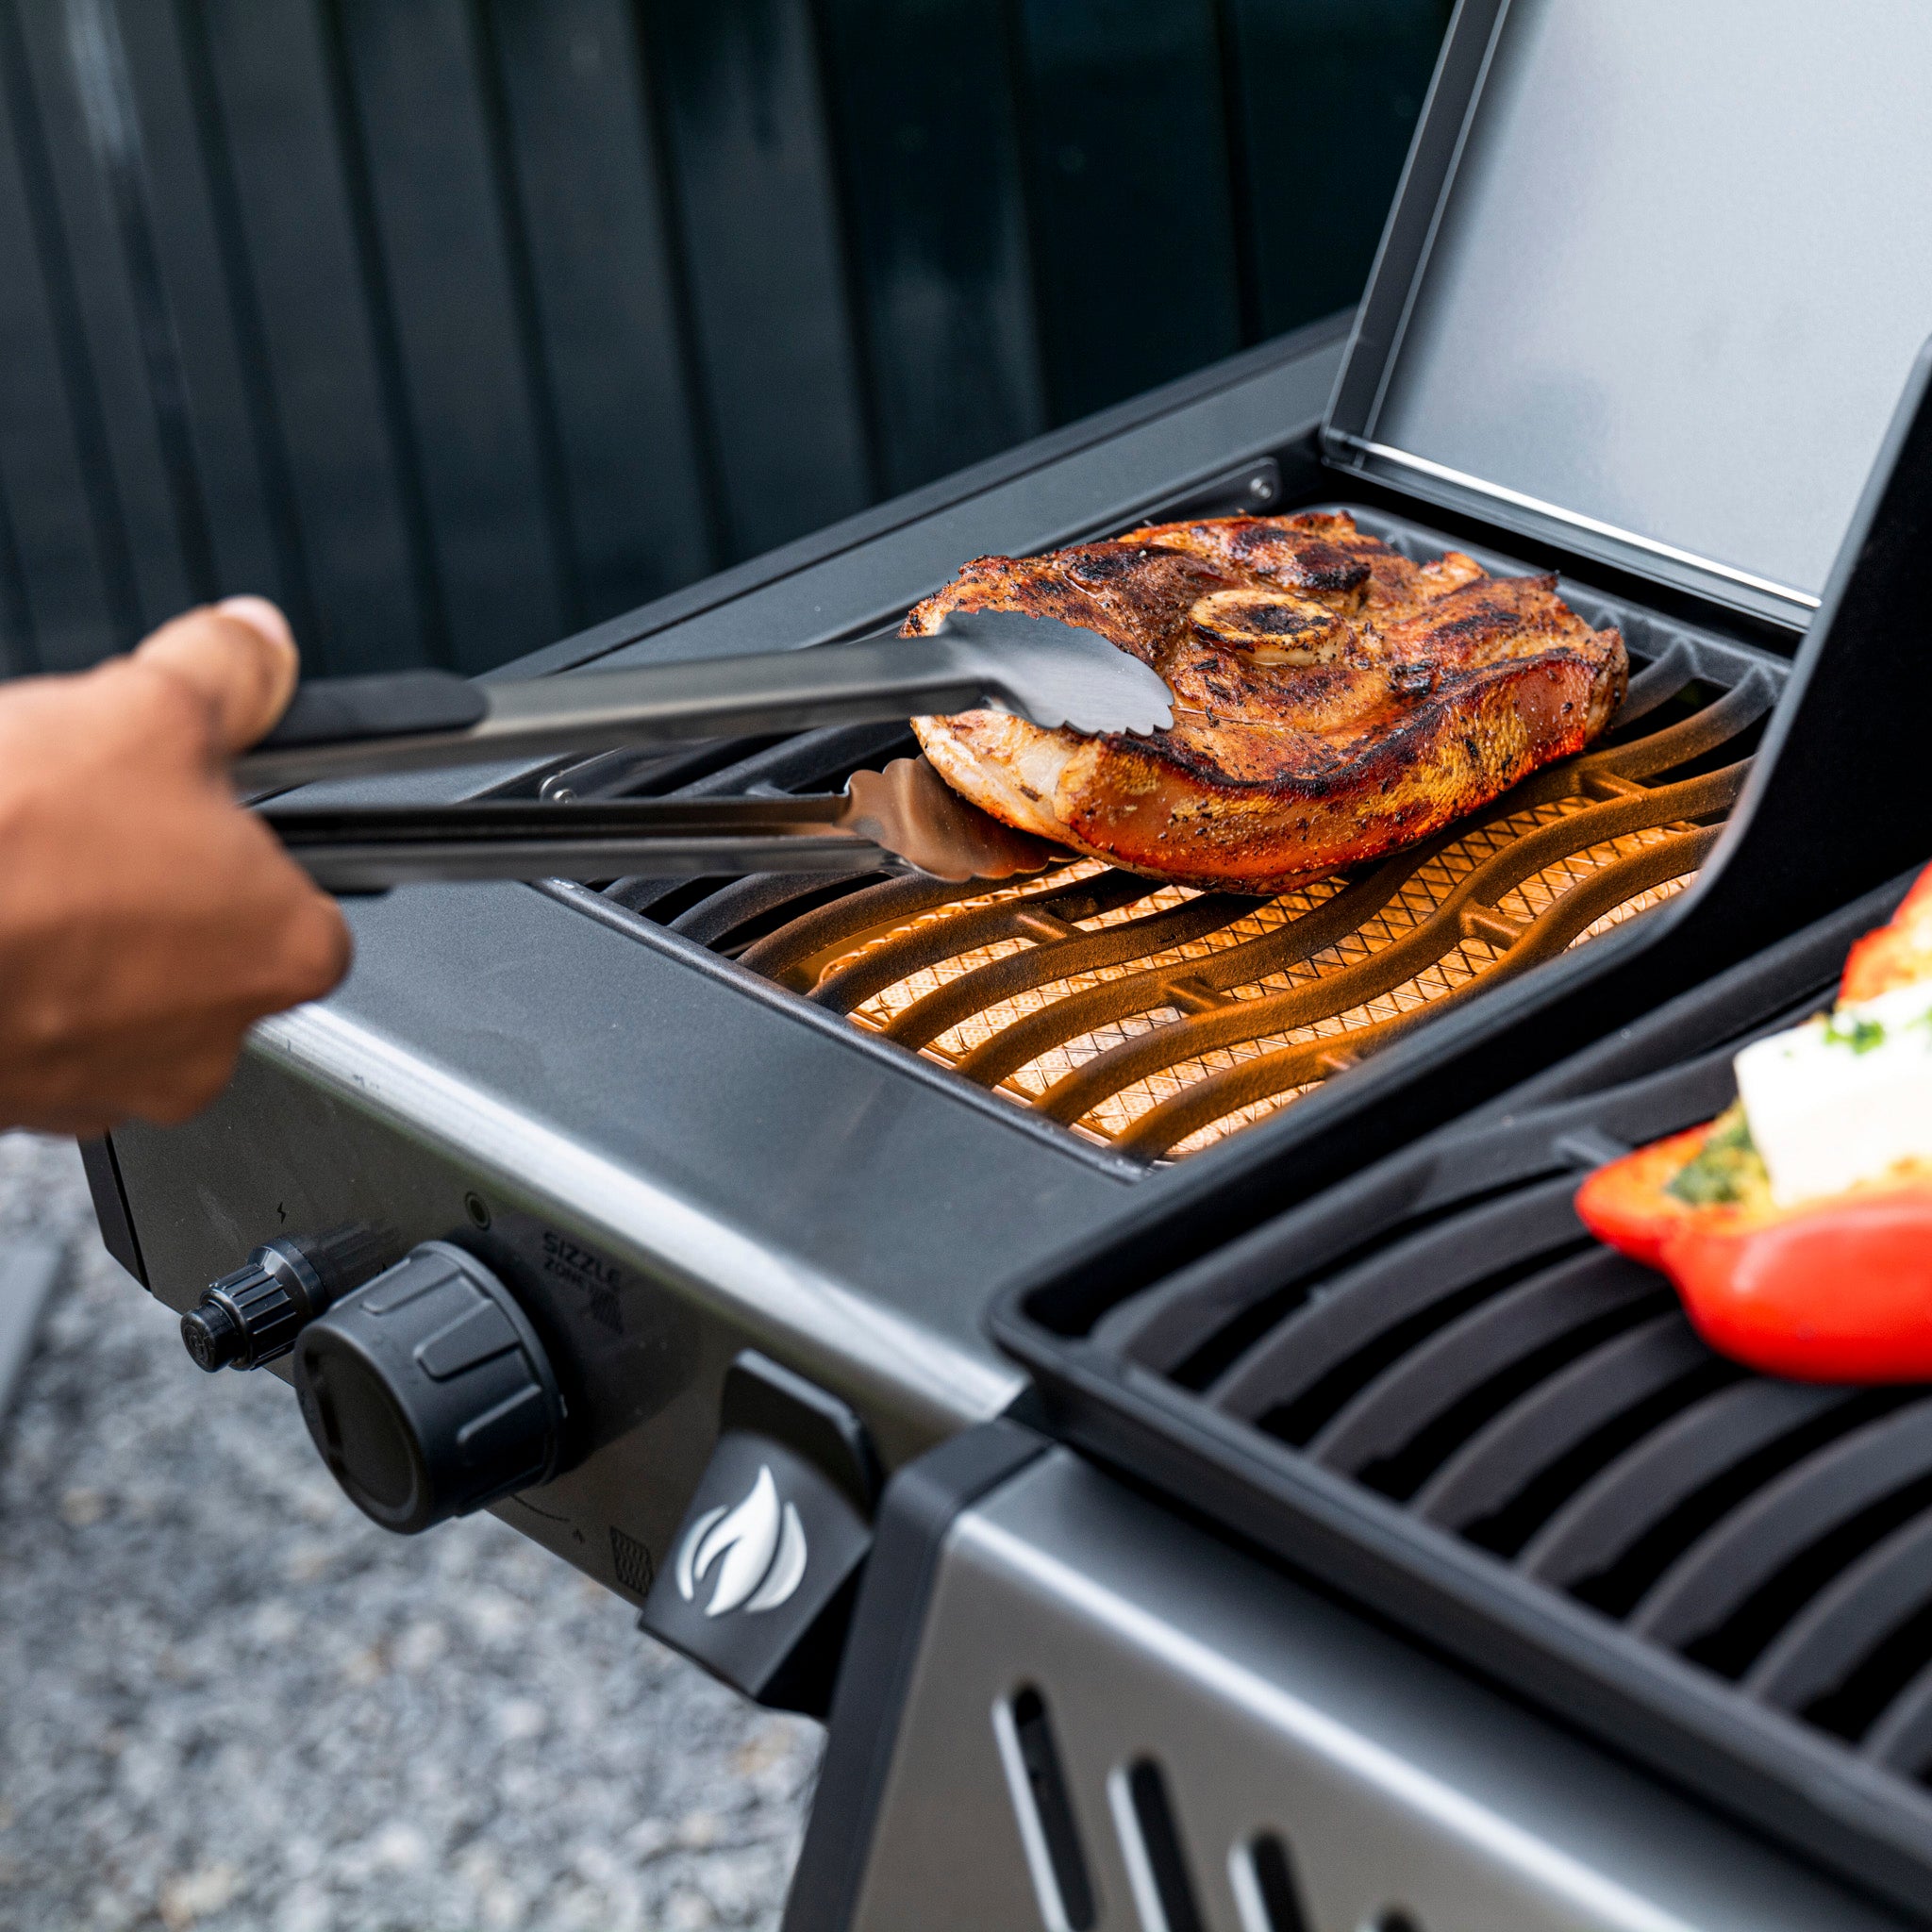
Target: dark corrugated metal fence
457	324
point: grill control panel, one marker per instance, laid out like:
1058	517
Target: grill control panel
428	1393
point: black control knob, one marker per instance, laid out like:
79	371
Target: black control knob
253	1316
428	1393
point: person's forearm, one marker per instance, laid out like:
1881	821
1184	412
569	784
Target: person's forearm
147	919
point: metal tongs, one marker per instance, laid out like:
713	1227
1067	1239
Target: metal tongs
1036	668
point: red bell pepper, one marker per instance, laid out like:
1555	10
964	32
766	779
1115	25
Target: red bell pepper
1838	1290
1624	1204
1896	953
1835	1291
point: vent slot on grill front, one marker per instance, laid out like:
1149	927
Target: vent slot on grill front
1267	1892
1044	1808
1151	1846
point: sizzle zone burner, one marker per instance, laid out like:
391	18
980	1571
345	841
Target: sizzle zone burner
1158	1019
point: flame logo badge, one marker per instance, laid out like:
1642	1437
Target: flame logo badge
758	1549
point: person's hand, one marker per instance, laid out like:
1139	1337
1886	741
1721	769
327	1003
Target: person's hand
147	919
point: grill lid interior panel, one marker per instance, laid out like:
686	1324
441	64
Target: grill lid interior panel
1642	291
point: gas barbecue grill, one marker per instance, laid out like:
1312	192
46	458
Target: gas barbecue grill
698	1192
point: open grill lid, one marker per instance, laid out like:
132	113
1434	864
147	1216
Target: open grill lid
1648	289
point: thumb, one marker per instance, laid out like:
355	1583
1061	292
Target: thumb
239	655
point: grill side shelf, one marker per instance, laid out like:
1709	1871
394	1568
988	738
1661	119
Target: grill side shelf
1783	1778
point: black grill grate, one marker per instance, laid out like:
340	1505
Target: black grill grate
1507	1380
1439	1341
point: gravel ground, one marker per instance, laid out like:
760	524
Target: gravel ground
229	1702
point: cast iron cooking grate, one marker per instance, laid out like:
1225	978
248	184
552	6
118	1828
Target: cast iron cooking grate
1157	1019
1529	1426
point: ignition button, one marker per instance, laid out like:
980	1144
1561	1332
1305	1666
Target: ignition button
253	1316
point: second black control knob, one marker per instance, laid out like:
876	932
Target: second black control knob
428	1393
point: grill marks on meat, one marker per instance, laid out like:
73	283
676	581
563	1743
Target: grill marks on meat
1333	700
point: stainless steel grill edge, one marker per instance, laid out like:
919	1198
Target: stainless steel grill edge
1112	1719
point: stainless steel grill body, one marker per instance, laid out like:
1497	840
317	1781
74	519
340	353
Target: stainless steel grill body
1276	1731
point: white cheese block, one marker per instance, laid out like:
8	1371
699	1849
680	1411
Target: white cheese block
1840	1100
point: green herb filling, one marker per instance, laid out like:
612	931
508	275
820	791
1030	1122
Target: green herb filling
1727	1169
1861	1035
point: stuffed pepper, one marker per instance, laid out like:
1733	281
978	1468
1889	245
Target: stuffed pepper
1797	1225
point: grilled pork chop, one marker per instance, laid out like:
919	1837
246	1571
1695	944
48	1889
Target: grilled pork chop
1333	701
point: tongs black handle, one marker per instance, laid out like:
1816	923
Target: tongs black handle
420	720
1041	667
395	704
363	848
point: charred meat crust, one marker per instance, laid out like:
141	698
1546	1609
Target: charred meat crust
1333	700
